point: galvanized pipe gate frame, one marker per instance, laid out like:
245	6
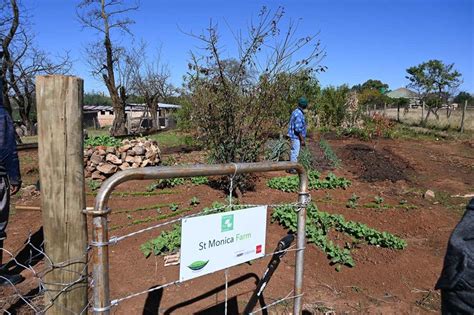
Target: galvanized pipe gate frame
100	242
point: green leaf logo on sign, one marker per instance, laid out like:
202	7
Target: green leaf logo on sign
198	265
227	223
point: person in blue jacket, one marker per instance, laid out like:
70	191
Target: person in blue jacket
10	179
297	130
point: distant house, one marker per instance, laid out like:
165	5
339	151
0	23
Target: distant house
137	115
405	93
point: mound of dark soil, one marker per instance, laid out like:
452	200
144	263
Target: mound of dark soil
372	165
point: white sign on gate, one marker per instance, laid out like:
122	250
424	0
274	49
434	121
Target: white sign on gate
217	241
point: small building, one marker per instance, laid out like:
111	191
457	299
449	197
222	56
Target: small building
137	115
405	93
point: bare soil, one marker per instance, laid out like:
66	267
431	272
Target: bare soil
383	281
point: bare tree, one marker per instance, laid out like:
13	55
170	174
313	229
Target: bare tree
9	23
22	62
151	81
234	102
106	16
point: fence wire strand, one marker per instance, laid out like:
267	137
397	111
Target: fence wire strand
43	295
115	239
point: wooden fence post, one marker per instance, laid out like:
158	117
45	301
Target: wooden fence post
60	138
463	115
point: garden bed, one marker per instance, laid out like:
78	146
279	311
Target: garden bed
383	280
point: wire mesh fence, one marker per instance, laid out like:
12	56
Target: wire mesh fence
114	240
25	288
33	294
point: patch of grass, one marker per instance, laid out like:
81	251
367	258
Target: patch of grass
291	183
152	207
173	138
138	193
93	184
373	205
92	132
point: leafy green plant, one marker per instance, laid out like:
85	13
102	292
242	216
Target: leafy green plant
194	201
199	180
174	207
319	224
329	153
104	140
291	183
166	183
167	241
378	200
93	184
277	149
352	202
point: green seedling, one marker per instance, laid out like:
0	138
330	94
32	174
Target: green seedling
194	201
352	202
174	207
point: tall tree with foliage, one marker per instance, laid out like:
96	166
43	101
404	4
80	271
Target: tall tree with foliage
463	97
331	105
290	87
105	56
233	100
371	85
434	81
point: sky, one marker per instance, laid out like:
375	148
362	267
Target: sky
362	39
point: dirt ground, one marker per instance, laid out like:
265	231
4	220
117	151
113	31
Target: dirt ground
383	280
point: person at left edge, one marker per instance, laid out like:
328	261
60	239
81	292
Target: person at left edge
10	179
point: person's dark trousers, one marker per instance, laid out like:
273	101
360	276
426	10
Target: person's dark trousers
457	278
5	278
4	209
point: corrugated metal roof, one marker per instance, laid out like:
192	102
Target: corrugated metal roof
402	92
129	107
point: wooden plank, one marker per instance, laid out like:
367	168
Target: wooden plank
59	105
26	208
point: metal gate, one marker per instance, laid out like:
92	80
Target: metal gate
100	243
